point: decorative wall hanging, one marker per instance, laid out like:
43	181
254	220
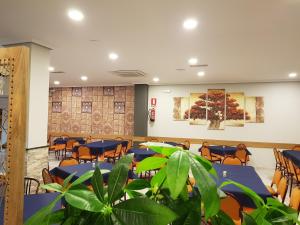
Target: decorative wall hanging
119	107
216	108
181	108
197	110
56	107
254	110
86	107
235	109
76	91
108	91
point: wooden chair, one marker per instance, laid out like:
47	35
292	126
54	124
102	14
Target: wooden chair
70	145
275	152
84	154
295	199
68	162
205	152
232	160
242	154
282	189
113	154
29	184
231	206
276	179
58	149
296	148
293	173
119	139
47	177
127	147
186	145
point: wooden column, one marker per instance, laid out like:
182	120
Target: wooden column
16	136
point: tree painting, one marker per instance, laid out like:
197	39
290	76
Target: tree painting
235	109
216	108
254	110
197	109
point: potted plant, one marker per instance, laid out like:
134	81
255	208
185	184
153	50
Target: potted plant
166	200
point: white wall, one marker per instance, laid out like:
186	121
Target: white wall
282	113
37	123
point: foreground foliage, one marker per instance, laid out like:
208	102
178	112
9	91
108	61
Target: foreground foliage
164	200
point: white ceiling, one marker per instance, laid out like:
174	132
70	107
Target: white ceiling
241	41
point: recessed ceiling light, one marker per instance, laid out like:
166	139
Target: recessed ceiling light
75	15
155	79
293	75
84	78
193	61
113	56
201	73
190	24
56	82
51	68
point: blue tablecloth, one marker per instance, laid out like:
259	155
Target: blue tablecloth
99	147
224	150
141	153
245	175
64	171
33	203
65	140
292	155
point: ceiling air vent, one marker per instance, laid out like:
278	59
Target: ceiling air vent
57	72
129	73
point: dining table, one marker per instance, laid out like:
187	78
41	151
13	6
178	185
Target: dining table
33	203
141	153
99	147
61	140
293	155
245	175
224	150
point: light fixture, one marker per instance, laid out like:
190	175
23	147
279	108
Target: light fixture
51	68
155	79
193	61
113	56
75	15
293	75
190	24
201	73
84	78
56	82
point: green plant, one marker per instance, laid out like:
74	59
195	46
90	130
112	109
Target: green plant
165	201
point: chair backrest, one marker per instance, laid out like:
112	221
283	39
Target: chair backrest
231	160
129	145
118	150
186	144
296	147
31	186
276	177
231	206
68	162
60	146
282	161
47	178
241	152
70	143
205	152
275	151
295	199
282	188
83	151
119	138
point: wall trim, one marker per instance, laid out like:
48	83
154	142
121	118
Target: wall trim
33	148
253	144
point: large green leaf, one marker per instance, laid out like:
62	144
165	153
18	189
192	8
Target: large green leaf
53	187
222	219
143	211
193	218
207	165
68	180
159	178
258	201
138	184
167	151
248	220
207	188
84	200
97	183
116	181
41	216
150	163
178	167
